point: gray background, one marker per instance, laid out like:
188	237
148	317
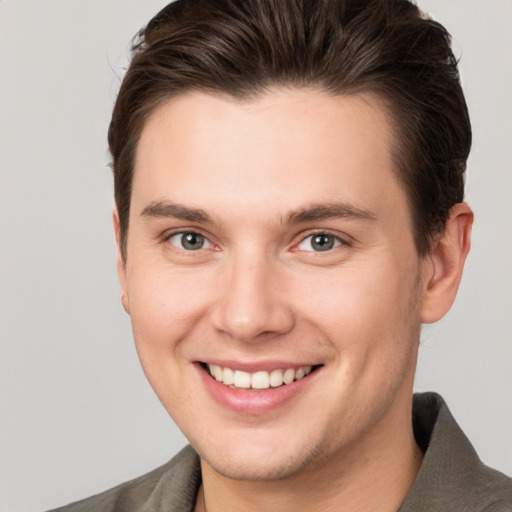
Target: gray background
77	415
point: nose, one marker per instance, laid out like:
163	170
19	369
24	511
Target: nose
252	305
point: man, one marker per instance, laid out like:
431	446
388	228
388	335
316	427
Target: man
289	211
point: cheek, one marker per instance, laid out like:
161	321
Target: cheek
353	300
366	317
165	306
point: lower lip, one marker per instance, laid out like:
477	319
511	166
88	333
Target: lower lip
253	402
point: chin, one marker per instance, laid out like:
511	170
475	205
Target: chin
254	464
251	470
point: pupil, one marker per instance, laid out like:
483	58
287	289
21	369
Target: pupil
192	241
322	242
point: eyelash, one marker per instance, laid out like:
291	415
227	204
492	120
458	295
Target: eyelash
168	236
337	241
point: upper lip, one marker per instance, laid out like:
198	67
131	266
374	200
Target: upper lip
255	366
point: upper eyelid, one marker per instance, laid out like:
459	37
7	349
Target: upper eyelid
164	236
342	237
342	243
212	246
183	231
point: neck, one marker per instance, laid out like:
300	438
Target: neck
376	473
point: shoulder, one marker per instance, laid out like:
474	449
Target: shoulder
452	476
171	487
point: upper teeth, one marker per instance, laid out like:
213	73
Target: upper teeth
257	380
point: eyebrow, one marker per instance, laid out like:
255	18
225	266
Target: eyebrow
177	211
330	211
164	209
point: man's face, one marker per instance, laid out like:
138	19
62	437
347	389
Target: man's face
269	239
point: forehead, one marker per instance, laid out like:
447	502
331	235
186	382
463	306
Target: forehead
279	152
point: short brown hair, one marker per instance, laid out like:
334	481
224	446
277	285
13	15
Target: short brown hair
243	48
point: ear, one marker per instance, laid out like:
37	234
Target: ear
121	264
444	264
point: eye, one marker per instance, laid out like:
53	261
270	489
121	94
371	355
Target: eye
319	242
189	241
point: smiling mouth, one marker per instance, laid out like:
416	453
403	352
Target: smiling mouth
260	380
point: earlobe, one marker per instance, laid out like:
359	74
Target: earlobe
121	264
445	263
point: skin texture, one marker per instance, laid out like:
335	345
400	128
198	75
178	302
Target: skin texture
258	293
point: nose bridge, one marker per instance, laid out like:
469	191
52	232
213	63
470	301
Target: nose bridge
250	304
